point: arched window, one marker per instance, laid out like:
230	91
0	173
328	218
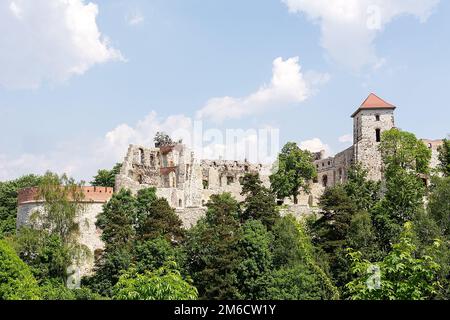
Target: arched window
325	181
377	117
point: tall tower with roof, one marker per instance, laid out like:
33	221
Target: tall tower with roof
370	120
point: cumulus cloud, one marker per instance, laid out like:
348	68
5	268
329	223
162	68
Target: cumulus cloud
288	85
49	41
316	145
346	138
349	27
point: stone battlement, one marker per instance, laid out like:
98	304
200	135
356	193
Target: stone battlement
91	194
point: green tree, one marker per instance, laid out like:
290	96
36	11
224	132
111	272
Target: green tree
211	255
165	283
107	178
364	193
16	279
117	220
406	160
153	254
46	254
50	243
144	200
161	220
295	171
444	158
299	273
439	204
8	201
401	149
256	260
259	203
295	283
401	275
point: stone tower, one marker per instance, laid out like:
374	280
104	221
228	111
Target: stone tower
371	119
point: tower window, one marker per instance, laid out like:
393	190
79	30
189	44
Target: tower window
377	117
230	180
141	156
378	135
325	181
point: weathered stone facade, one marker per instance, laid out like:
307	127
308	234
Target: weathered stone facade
185	182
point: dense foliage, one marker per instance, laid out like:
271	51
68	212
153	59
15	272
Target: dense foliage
106	178
387	240
295	170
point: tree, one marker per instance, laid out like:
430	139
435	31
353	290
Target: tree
8	201
363	192
63	204
118	219
46	254
406	160
259	203
165	283
162	139
295	283
107	178
337	210
50	244
153	254
295	171
256	260
211	255
161	220
399	276
439	204
117	222
144	201
16	279
298	273
402	150
444	158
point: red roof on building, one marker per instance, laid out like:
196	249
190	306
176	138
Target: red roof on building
374	102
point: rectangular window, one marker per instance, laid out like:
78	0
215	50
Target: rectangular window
378	135
230	180
377	117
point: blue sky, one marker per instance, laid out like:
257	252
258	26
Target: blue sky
72	98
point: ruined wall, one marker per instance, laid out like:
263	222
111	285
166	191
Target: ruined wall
434	146
220	176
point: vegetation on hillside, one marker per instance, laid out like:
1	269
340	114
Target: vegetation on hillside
384	240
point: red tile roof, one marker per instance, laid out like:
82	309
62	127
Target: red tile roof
374	102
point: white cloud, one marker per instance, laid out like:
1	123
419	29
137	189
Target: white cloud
346	138
349	27
49	41
82	160
316	145
135	18
288	85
